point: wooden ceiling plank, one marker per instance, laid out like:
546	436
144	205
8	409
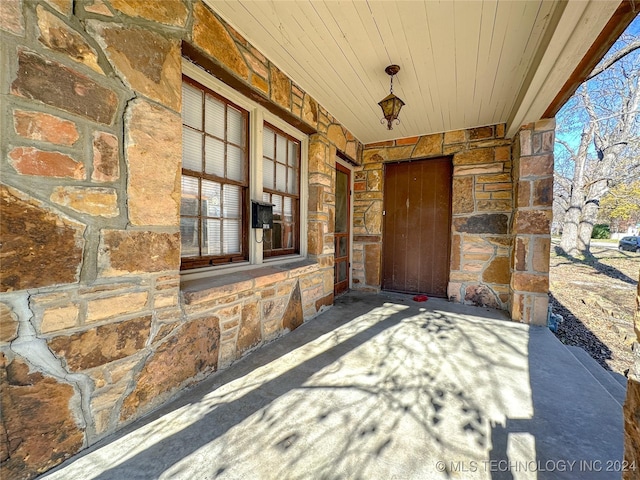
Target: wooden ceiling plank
311	36
539	25
288	38
461	61
388	23
521	47
354	94
482	78
495	60
308	34
376	44
351	64
263	21
468	17
404	26
422	51
440	22
405	83
364	56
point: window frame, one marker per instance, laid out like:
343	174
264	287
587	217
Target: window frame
189	263
276	252
258	115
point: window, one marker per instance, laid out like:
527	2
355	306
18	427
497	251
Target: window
280	186
215	179
235	151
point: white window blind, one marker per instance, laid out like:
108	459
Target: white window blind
214	177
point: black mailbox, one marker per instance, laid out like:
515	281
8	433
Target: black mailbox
261	215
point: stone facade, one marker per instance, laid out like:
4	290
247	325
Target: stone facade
96	326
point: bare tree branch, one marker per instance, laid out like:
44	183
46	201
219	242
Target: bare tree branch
599	179
565	145
623	52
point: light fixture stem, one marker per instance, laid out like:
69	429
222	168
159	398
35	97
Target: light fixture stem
391	84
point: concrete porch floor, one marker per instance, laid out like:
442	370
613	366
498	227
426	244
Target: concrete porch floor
380	387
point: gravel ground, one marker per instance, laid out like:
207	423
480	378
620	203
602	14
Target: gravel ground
596	298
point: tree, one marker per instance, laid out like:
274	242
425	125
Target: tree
597	140
621	206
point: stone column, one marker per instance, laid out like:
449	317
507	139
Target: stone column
367	224
323	149
533	183
321	207
631	408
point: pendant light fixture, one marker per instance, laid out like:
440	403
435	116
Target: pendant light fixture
391	104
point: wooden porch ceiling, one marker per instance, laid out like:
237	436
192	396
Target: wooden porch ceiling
463	63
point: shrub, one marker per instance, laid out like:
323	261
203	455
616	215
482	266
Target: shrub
601	231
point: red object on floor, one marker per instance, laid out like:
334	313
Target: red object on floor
420	298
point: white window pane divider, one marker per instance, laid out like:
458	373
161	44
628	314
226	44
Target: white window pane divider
256	118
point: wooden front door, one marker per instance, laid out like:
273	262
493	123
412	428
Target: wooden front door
341	232
417	227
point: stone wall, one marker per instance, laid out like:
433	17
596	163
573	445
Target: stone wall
96	326
533	194
631	408
481	210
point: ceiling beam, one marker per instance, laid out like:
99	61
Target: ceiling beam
537	61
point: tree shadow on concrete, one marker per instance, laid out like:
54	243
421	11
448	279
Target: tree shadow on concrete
393	390
382	393
596	264
373	407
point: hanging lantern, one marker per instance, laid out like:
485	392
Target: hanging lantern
391	104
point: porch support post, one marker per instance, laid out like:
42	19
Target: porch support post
321	214
533	197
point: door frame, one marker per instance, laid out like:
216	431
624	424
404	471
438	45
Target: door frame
344	167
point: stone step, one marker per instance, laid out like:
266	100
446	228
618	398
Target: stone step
604	378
